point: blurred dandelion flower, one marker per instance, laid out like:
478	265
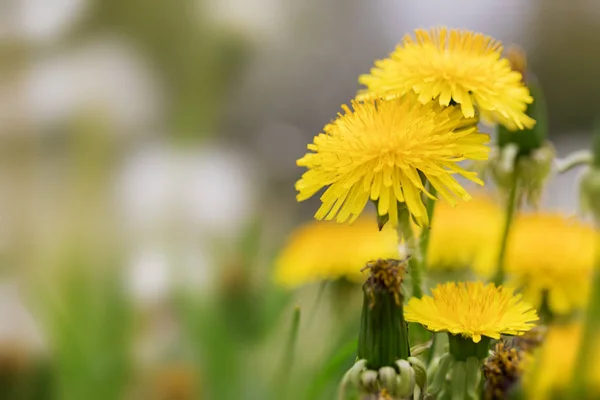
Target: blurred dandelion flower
548	373
466	236
382	150
454	65
472	310
549	255
325	250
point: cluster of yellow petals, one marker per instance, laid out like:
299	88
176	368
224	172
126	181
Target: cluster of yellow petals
467	236
385	151
473	310
328	251
454	65
550	253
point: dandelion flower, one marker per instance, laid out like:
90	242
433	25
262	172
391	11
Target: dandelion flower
454	65
466	236
472	310
548	375
551	256
326	250
382	150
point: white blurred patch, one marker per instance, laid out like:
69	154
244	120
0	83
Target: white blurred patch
257	19
17	326
38	20
106	76
148	277
210	191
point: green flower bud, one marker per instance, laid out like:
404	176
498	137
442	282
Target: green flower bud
530	171
383	336
590	192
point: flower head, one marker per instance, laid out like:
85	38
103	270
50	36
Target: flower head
472	310
549	255
325	250
382	150
466	236
454	65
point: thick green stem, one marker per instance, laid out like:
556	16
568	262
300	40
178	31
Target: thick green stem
511	207
415	263
589	339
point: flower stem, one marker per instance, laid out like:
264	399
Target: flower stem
424	242
589	339
415	263
511	207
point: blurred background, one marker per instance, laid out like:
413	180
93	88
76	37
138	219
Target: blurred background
147	169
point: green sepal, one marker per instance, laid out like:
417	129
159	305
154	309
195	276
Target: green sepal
462	348
439	375
420	371
528	139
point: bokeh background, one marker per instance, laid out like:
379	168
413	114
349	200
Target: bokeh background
147	163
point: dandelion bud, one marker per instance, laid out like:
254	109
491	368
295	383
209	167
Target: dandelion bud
528	171
590	184
383	336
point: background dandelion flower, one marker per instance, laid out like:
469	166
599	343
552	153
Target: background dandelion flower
553	256
550	370
466	236
454	65
326	250
382	150
472	310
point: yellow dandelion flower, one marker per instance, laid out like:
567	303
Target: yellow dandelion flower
553	256
454	65
472	310
382	150
549	372
466	236
326	250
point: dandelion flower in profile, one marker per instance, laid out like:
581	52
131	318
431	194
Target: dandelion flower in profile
328	251
472	310
550	259
383	151
448	65
466	236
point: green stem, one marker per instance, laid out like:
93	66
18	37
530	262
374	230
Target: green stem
589	339
413	250
424	242
511	207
